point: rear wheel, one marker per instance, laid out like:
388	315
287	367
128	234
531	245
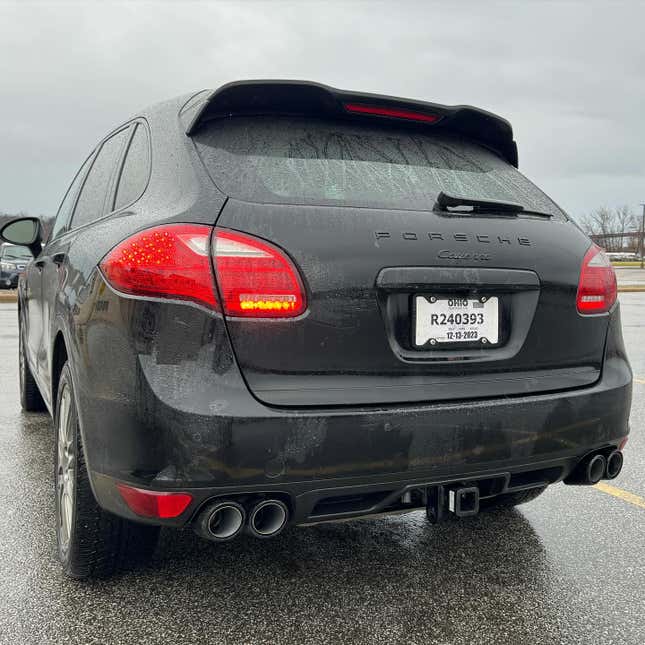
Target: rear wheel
30	397
509	500
91	541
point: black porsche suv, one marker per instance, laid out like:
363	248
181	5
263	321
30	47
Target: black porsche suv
282	303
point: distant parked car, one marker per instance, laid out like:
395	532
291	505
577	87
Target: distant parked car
13	260
281	303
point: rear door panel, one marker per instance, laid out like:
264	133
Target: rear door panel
32	316
362	268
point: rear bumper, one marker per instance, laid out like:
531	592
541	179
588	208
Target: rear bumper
337	499
315	460
163	409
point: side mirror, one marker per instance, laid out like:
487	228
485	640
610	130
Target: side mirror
23	232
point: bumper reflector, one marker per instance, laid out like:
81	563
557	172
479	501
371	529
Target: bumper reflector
150	503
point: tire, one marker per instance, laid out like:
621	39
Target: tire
92	543
30	397
509	500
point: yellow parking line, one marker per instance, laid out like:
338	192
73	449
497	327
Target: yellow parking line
621	494
640	380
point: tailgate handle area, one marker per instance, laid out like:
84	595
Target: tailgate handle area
420	278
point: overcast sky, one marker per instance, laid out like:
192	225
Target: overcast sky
569	76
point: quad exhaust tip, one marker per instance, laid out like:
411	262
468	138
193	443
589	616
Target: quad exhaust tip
268	518
595	469
221	521
614	464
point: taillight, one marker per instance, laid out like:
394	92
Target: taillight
597	289
150	503
169	261
393	113
255	278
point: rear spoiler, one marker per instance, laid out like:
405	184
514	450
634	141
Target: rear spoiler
303	98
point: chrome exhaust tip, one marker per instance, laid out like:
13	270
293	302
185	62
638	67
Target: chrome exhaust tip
220	521
268	518
614	464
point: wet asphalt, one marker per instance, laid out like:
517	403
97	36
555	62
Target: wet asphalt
566	568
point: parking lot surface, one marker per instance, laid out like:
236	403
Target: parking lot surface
630	276
567	568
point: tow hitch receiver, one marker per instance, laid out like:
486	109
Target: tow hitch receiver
463	501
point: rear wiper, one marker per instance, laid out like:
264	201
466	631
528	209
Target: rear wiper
447	202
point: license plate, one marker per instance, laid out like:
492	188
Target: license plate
456	320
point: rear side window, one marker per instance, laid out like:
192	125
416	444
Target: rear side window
67	205
307	161
91	202
136	169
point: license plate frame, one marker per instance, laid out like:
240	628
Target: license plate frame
428	335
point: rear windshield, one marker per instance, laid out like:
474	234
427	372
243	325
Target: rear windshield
15	253
306	161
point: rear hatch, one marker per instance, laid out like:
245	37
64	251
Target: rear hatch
406	303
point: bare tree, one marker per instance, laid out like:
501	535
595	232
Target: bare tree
610	221
625	221
603	222
586	224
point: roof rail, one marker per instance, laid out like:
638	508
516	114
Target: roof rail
304	98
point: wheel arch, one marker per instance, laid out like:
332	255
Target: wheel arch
59	358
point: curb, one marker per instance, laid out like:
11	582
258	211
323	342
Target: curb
8	296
